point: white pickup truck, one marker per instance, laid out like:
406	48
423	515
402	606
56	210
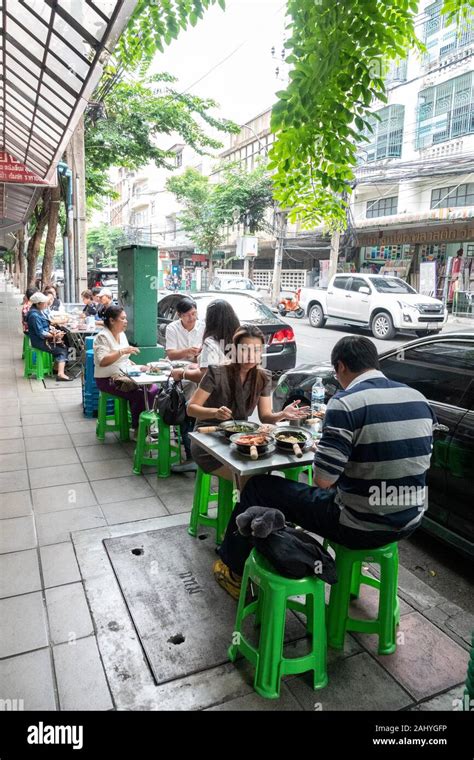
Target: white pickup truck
383	304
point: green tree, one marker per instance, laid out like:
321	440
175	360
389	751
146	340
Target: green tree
338	53
102	244
156	24
239	197
200	218
135	115
244	197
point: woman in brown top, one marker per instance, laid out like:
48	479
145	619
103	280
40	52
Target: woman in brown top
233	391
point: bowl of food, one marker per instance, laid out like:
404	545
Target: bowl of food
252	444
243	427
292	439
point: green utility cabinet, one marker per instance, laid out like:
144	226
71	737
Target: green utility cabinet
138	293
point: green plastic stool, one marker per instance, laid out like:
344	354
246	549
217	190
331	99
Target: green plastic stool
203	496
167	453
350	577
270	613
38	363
293	473
112	423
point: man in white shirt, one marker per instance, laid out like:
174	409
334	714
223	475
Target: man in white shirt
184	341
184	335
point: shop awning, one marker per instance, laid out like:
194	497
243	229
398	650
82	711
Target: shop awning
51	59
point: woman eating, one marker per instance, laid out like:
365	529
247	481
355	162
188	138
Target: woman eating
221	324
234	391
112	354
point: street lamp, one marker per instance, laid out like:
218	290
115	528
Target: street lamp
262	145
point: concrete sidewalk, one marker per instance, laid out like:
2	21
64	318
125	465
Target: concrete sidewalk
66	637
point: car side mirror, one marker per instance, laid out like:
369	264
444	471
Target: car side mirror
364	290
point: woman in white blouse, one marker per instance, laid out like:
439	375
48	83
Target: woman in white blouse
112	354
221	324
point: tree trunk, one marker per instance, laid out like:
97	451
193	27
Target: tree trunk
34	243
21	250
210	269
49	248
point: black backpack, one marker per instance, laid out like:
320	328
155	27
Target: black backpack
170	403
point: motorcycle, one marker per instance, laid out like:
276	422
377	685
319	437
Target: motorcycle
291	305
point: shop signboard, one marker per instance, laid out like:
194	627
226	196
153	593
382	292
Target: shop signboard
14	172
425	235
427	285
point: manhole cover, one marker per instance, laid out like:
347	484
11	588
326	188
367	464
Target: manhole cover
183	618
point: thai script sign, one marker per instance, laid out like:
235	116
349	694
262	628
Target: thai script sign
15	172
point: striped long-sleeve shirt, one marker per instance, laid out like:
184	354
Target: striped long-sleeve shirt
376	444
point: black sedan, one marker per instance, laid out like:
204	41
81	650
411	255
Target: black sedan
280	345
442	368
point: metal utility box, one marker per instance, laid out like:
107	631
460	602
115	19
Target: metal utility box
138	293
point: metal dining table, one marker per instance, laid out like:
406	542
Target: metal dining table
222	449
144	379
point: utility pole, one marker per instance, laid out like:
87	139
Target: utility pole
334	254
280	244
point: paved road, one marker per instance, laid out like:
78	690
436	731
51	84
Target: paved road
433	562
316	344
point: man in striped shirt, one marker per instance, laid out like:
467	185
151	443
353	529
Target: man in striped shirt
369	468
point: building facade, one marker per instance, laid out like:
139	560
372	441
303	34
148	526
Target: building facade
413	202
302	249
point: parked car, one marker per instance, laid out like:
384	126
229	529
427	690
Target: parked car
442	368
222	283
103	277
382	304
280	345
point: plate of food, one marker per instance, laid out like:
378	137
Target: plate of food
292	440
232	427
156	368
253	445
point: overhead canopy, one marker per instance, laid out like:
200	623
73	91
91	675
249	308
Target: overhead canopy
51	53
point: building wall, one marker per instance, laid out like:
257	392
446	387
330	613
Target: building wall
437	151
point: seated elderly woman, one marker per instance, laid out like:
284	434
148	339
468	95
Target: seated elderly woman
44	336
112	358
25	307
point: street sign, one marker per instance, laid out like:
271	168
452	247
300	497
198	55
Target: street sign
15	172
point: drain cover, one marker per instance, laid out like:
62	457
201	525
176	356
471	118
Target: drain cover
183	618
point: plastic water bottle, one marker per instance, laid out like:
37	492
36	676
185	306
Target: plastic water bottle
317	395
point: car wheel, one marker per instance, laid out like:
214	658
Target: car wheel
316	316
382	326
